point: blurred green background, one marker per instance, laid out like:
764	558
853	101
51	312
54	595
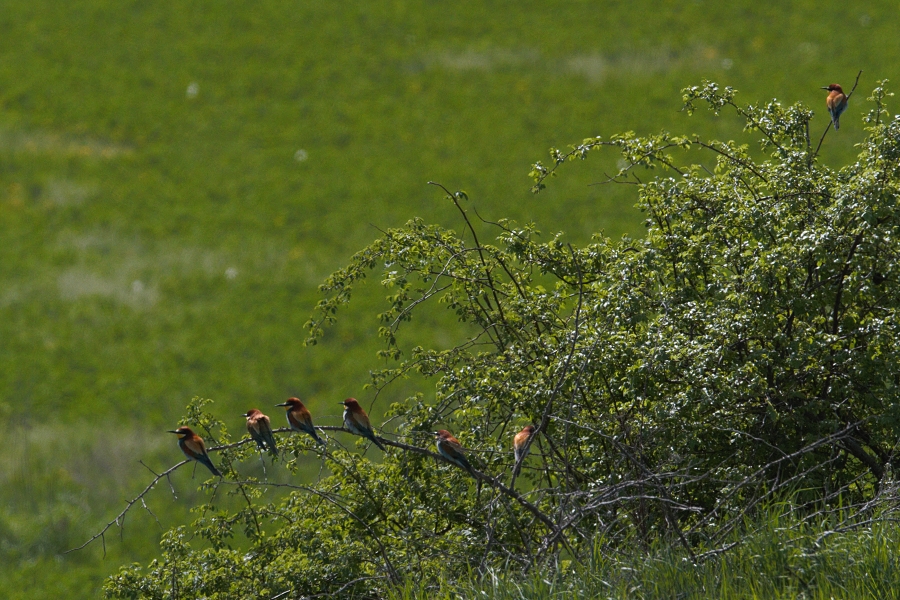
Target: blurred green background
176	179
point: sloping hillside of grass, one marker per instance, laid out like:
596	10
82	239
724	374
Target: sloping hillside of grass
176	180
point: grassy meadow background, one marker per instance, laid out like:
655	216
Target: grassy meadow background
176	179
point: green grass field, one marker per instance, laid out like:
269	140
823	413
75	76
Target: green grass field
774	557
176	180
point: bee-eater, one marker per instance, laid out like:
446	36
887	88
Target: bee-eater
836	103
193	447
357	421
450	448
299	418
260	429
520	447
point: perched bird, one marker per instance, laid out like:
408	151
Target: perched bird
357	421
520	447
299	418
836	103
193	447
450	448
260	429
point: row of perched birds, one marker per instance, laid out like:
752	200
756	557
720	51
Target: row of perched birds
355	420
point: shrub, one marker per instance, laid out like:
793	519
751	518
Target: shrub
745	348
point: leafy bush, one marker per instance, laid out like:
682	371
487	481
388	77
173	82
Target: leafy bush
744	349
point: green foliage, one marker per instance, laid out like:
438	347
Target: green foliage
774	555
742	350
162	235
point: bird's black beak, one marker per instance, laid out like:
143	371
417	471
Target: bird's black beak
172	431
283	404
825	88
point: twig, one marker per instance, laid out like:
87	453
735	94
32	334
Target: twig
478	475
120	517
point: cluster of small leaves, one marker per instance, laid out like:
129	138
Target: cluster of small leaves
708	94
746	347
646	152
